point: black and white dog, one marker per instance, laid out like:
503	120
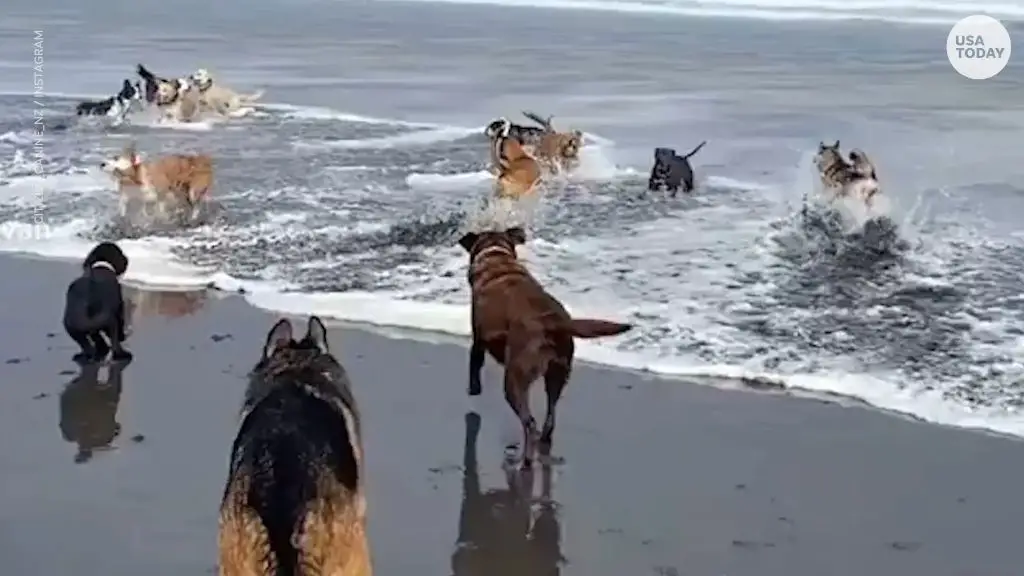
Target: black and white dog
672	171
526	135
117	106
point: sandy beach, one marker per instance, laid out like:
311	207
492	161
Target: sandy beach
659	476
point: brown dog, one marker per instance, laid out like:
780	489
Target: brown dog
518	172
559	152
170	182
522	327
294	501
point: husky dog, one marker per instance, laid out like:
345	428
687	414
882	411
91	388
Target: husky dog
94	309
294	501
117	106
842	177
672	171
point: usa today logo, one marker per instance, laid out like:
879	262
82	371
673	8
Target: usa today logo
978	47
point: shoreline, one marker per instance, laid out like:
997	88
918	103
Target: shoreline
654	475
754	385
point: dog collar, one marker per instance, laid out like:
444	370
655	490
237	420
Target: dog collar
204	88
106	265
492	250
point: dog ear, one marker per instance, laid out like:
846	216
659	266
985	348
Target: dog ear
517	235
468	241
278	337
317	334
822	147
836	145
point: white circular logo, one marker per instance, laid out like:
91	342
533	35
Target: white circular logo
978	47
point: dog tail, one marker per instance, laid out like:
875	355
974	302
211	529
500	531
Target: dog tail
543	122
250	98
695	150
590	328
146	74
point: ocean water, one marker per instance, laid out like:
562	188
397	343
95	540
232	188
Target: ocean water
345	195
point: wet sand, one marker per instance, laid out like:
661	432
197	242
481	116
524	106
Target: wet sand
659	476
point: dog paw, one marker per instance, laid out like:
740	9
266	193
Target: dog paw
82	358
122	356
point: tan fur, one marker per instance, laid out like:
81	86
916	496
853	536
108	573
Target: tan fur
174	181
333	538
518	172
177	104
225	101
242	540
560	151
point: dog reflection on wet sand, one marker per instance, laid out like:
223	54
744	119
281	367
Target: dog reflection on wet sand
167	303
88	409
498	534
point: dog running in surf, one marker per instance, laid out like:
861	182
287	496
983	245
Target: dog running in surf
176	99
94	310
171	183
218	98
672	172
117	106
518	173
294	501
523	327
557	152
526	135
841	177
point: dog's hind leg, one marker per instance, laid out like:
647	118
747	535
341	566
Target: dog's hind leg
555	380
518	378
88	351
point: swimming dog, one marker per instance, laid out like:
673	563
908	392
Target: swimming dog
294	502
94	314
117	106
517	172
220	98
523	327
169	182
177	99
672	171
526	135
842	177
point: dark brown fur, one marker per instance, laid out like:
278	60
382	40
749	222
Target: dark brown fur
523	327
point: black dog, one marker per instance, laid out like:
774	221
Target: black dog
526	135
672	171
88	410
116	106
95	306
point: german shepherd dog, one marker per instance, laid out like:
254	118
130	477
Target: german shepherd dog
672	171
94	310
842	177
523	327
495	526
518	173
294	503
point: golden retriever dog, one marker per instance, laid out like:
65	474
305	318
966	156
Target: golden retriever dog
170	182
517	172
220	98
294	502
842	177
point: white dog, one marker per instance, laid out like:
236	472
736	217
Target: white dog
222	99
